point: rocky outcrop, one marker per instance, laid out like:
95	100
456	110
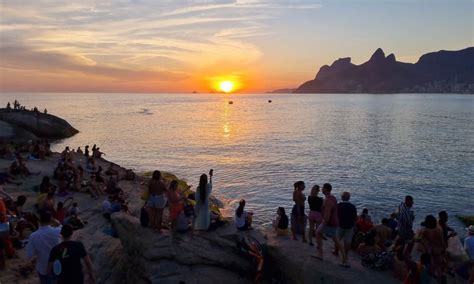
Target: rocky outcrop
437	72
296	264
30	125
209	257
12	133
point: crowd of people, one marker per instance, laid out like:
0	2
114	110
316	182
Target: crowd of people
18	107
391	243
56	214
186	212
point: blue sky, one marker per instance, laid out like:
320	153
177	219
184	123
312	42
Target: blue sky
178	46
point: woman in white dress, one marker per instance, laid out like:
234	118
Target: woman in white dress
202	215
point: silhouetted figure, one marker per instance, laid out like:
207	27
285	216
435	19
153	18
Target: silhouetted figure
9	107
86	151
45	111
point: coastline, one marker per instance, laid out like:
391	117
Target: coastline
138	252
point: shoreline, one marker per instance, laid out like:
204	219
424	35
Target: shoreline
115	259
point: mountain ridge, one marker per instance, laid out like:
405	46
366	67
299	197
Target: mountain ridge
435	72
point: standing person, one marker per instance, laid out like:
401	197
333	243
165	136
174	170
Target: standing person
202	219
40	244
86	151
443	223
405	219
330	224
434	244
175	204
347	216
156	200
315	212
297	213
65	260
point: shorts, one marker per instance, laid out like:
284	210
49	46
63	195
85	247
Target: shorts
156	201
315	216
330	232
346	235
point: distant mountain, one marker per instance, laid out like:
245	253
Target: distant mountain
436	72
282	91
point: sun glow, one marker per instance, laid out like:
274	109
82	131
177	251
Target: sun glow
226	86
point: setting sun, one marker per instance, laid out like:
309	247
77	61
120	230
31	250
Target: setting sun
226	86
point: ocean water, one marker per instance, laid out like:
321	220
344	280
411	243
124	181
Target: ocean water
378	147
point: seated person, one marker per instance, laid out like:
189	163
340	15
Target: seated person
47	204
369	246
74	210
46	186
363	225
90	165
280	225
110	205
243	219
14	168
383	234
185	217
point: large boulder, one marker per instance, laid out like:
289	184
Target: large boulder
296	264
208	257
11	133
40	124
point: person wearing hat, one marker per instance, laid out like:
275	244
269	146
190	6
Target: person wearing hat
65	260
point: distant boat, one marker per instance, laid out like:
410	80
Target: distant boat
195	92
269	101
231	102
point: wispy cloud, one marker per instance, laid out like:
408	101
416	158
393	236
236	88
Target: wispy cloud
134	38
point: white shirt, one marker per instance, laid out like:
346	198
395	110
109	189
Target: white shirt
469	246
40	244
240	221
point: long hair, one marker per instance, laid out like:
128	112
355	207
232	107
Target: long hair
202	187
240	209
156	175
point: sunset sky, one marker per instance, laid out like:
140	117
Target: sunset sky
181	46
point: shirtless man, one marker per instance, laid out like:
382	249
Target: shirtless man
156	201
330	225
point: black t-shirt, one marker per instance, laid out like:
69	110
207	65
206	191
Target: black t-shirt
347	214
69	253
315	203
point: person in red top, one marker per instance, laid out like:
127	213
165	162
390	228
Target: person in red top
60	213
3	211
330	225
175	204
363	224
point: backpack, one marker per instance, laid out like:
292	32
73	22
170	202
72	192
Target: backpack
144	218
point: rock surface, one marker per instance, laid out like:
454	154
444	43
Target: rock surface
193	258
436	72
40	125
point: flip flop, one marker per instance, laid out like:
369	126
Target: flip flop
318	257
